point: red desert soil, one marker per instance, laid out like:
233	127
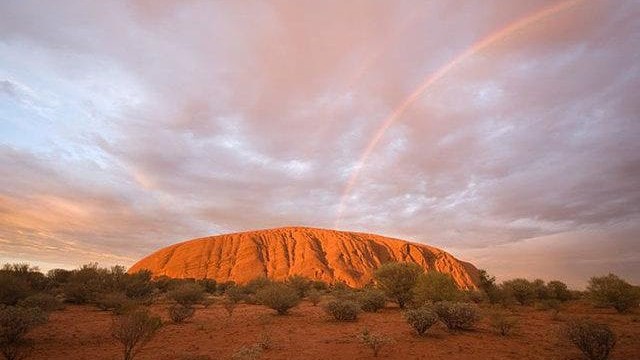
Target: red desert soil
82	332
327	255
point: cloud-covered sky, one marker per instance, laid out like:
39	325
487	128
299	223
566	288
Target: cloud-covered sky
128	126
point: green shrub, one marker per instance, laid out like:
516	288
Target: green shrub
119	303
44	302
521	290
138	285
487	285
15	324
187	294
421	319
612	291
315	296
279	297
256	284
594	340
178	313
503	324
397	280
457	316
374	341
343	310
558	290
372	300
300	283
435	286
134	330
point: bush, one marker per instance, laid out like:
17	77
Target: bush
210	286
229	305
15	324
374	341
315	296
487	285
187	294
521	290
435	286
343	310
134	330
138	285
612	291
421	319
397	280
13	289
558	290
595	340
44	302
457	316
503	324
179	313
372	300
300	283
279	297
119	303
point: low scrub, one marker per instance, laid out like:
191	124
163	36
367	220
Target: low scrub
374	341
457	316
503	324
435	286
119	303
279	297
134	330
343	310
180	313
252	352
44	302
187	294
595	340
612	291
15	324
314	296
372	300
421	319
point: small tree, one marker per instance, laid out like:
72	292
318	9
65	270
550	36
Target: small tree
15	324
179	313
300	283
397	280
612	291
558	290
421	319
435	286
372	300
374	341
279	297
594	340
134	330
343	310
457	316
488	285
522	290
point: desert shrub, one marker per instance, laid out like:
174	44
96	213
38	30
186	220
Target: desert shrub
210	286
235	294
134	330
319	285
435	286
119	303
265	342
229	305
87	283
548	304
44	302
256	284
30	274
343	310
558	290
372	300
15	324
187	294
521	290
315	296
252	352
503	324
138	285
457	316
179	313
397	280
421	319
374	341
487	285
13	289
58	277
595	340
300	283
279	297
612	291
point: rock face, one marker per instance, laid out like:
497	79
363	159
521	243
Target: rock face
326	255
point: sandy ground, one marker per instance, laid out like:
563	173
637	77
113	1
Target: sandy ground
82	332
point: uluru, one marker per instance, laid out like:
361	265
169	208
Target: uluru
327	255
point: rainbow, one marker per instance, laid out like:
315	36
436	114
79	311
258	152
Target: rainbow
484	43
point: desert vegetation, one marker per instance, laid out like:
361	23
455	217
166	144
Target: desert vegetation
424	302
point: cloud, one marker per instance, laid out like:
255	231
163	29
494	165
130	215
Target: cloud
127	126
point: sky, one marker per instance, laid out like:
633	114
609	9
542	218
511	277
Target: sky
504	132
